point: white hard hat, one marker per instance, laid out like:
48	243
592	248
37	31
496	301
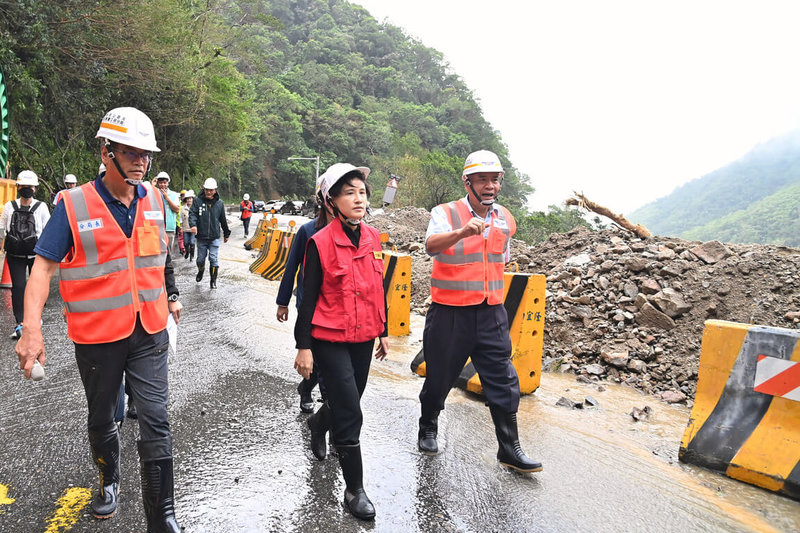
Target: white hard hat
210	183
189	194
28	177
246	197
335	172
70	178
129	126
163	176
481	161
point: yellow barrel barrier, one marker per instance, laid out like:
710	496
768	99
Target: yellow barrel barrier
275	268
267	251
745	421
397	286
263	226
524	301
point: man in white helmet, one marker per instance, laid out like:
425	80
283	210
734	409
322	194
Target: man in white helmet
21	225
171	199
70	182
116	279
468	240
246	207
205	218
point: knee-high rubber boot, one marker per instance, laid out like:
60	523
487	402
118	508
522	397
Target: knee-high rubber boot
355	499
200	270
158	486
319	423
510	452
105	452
214	270
428	431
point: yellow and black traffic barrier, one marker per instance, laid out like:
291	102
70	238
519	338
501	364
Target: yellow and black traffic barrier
524	299
256	242
267	251
282	244
397	287
745	420
263	224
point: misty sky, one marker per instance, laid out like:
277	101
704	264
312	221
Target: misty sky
622	100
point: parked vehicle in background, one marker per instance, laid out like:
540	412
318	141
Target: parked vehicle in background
259	206
292	207
309	208
274	206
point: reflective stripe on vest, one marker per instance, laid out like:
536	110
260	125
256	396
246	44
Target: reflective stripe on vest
471	271
104	269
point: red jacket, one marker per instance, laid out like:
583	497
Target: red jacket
108	278
246	208
350	307
471	270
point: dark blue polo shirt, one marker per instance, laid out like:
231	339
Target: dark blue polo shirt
56	240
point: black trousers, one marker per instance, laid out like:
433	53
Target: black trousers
19	268
346	369
451	335
143	359
246	224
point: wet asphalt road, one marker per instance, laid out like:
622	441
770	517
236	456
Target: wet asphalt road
240	442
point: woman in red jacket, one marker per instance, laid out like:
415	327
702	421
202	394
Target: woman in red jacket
342	313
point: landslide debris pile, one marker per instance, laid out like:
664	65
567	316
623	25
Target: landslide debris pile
633	310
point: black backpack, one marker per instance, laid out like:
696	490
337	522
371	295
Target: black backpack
21	238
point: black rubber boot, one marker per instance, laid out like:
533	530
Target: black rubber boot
214	270
355	499
306	401
428	431
105	452
319	423
510	452
200	270
158	486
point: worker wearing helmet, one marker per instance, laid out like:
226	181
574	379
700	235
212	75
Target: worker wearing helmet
70	182
116	279
205	218
161	183
188	237
21	224
468	240
246	207
342	312
294	268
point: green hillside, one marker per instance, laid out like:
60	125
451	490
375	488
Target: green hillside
726	196
235	87
771	220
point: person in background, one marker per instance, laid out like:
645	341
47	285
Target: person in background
188	237
108	239
342	313
206	217
294	268
70	182
21	225
161	183
179	225
468	240
246	207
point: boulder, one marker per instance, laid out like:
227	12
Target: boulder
670	302
649	286
711	252
615	357
671	396
637	366
595	369
650	316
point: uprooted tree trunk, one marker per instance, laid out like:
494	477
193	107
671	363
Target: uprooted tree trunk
580	200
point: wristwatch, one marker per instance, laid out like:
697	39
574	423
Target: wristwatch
173	297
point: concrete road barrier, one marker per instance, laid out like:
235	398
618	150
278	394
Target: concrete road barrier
745	421
524	301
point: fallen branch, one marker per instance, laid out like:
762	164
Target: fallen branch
581	201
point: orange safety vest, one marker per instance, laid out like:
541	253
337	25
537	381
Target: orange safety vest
471	270
350	306
107	278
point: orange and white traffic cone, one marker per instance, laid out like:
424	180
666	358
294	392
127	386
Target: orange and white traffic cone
5	282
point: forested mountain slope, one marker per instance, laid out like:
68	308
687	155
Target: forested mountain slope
754	199
237	86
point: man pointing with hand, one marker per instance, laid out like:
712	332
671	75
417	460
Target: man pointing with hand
469	242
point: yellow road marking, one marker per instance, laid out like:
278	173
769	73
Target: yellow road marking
4	499
70	505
